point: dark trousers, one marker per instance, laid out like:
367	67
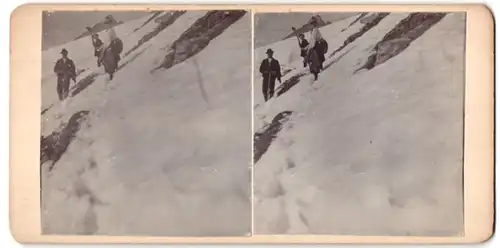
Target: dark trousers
62	87
304	60
303	54
318	47
268	86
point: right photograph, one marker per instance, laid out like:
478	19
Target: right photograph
358	123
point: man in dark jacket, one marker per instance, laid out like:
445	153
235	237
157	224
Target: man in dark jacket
65	70
303	48
97	43
271	70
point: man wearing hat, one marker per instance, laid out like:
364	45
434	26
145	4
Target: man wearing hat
97	43
271	70
303	44
65	70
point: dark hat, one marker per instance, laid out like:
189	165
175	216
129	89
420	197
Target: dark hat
313	20
269	51
109	19
64	51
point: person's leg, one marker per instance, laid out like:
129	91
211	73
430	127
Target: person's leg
66	87
321	58
60	88
271	86
320	54
265	87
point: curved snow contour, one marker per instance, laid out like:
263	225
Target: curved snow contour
151	18
164	21
401	36
355	20
372	20
152	157
352	142
199	35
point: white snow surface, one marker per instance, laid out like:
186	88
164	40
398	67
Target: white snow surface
154	157
378	152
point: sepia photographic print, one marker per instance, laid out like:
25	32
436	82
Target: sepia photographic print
251	124
358	121
146	119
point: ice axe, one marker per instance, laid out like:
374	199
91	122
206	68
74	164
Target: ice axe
294	31
89	30
296	35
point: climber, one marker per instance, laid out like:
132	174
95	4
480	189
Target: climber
97	43
112	42
65	70
270	70
317	42
110	51
303	43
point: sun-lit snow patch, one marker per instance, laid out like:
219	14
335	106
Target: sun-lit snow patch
154	157
374	153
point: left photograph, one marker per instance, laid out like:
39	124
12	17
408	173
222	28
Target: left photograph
146	123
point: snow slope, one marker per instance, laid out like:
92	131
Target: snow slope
81	52
378	152
273	27
58	30
154	157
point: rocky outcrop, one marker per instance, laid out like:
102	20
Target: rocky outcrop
108	22
151	18
353	22
199	35
369	19
390	48
400	37
370	22
53	146
264	138
414	25
307	27
163	22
